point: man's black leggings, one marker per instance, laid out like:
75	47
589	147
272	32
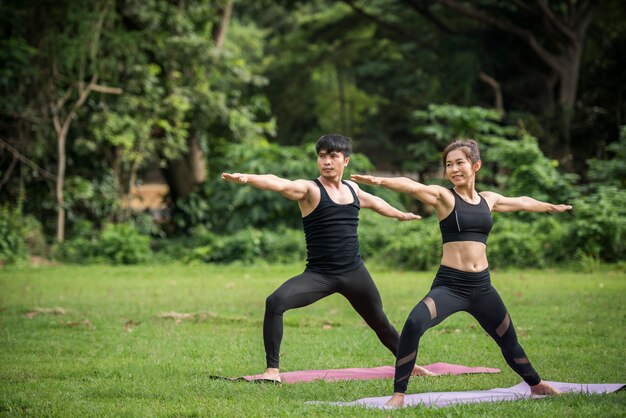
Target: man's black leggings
356	285
453	291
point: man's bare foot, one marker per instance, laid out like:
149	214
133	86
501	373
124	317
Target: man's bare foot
420	371
542	388
396	400
270	374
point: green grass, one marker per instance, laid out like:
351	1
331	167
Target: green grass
110	353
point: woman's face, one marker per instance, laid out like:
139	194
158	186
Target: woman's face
459	168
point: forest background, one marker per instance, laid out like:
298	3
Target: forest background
103	99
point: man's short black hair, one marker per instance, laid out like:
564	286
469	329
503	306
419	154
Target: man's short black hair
335	142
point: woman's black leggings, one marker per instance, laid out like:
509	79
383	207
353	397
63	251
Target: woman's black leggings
453	291
356	285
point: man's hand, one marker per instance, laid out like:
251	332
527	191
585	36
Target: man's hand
408	216
236	178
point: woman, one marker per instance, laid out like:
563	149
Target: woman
462	282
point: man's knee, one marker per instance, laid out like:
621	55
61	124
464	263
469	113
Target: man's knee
275	303
379	322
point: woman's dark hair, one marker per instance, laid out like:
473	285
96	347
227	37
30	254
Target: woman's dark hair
334	142
469	148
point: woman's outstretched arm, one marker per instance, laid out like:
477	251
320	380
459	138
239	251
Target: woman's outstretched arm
501	203
431	195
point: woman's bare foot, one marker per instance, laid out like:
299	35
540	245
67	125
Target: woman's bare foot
420	371
542	388
270	374
396	400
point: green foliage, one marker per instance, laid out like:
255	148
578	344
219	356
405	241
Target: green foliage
247	245
515	243
520	168
225	207
414	245
512	160
116	243
612	171
123	244
12	234
83	246
599	225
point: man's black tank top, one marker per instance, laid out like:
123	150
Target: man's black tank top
331	236
467	222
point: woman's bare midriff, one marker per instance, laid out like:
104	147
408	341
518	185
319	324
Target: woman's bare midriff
465	255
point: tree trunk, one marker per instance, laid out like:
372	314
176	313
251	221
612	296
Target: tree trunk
220	37
341	89
189	170
196	161
179	179
61	140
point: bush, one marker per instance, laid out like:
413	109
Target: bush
12	235
123	244
34	237
117	244
599	225
414	245
82	246
515	243
248	246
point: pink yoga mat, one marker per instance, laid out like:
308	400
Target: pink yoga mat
519	391
381	372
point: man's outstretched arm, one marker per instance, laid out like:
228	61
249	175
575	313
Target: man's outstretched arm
292	190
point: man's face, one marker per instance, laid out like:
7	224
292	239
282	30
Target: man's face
331	163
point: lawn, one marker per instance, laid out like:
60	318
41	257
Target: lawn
141	341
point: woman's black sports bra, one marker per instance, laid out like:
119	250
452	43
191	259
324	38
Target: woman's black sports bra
467	222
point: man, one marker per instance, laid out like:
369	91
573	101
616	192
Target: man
330	210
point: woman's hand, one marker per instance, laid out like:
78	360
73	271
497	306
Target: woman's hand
364	179
559	208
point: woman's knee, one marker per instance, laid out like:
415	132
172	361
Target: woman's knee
419	319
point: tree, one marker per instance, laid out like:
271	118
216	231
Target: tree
64	107
553	32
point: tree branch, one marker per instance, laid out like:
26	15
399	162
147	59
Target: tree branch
18	156
59	103
105	89
554	21
425	11
508	27
497	91
389	26
93	51
583	17
7	174
221	35
522	5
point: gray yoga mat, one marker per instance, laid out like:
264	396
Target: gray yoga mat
519	391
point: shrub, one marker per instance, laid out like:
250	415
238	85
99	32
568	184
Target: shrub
599	225
117	244
12	235
247	245
123	244
82	246
515	243
414	245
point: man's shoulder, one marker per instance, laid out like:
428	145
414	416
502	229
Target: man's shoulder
352	184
